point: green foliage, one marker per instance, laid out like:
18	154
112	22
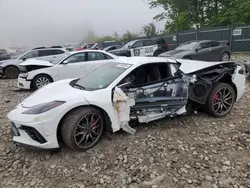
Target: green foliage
128	36
186	14
150	30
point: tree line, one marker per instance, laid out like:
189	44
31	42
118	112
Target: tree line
181	15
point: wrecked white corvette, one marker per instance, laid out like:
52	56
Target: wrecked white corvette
143	89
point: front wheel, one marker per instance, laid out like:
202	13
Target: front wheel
82	128
220	100
41	81
11	72
187	57
225	57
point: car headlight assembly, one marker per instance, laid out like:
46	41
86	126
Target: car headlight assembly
44	107
23	75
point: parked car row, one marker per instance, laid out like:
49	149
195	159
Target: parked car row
95	91
204	50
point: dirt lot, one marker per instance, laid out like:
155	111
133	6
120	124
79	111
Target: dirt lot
194	151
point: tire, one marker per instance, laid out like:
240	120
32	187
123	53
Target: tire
11	72
187	58
157	53
215	103
41	80
76	135
225	56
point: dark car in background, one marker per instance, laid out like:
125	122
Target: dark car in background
113	47
4	55
204	50
105	44
142	47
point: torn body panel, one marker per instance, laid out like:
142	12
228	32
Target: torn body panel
156	101
28	68
34	64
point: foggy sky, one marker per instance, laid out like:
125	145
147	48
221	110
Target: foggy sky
46	22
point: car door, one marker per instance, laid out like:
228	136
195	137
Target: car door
150	47
203	52
73	66
30	55
95	59
156	91
216	50
137	49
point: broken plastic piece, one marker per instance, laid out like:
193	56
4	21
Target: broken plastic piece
122	106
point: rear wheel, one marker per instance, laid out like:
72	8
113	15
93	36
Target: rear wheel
41	81
187	58
82	128
11	72
225	57
220	100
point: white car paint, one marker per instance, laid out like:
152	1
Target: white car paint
189	66
59	70
47	123
36	62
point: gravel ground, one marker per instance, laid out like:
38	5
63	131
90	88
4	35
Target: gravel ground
190	151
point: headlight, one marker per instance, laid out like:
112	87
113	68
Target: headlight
23	75
44	107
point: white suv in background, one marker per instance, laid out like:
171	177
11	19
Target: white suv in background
10	68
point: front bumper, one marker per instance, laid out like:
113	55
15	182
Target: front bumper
36	131
23	83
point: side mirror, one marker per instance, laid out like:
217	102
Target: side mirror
125	85
129	47
24	58
198	48
65	62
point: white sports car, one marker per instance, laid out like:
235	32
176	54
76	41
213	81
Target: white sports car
37	73
143	89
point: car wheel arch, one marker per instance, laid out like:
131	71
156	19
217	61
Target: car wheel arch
107	125
228	53
40	74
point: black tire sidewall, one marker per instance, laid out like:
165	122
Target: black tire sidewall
209	103
223	55
40	76
187	58
13	69
70	123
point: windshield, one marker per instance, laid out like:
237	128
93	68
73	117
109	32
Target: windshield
187	46
131	43
101	77
59	58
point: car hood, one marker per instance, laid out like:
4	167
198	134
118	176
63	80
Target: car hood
191	66
9	62
60	90
36	62
175	53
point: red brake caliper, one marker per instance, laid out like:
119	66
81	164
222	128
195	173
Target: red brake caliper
94	124
216	97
